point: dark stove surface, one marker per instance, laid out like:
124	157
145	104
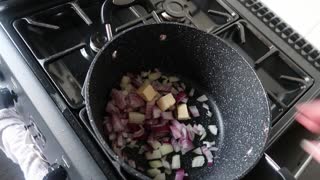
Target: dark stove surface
64	39
75	35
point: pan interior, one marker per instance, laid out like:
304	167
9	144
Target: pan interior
241	112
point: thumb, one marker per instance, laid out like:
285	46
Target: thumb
312	148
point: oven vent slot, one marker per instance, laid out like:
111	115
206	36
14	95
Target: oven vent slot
283	30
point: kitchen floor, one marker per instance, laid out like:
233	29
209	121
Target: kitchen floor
8	169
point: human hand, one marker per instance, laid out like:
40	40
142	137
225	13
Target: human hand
308	115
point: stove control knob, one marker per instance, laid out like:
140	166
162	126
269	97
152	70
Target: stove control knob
7	98
56	172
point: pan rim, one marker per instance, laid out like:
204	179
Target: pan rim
138	173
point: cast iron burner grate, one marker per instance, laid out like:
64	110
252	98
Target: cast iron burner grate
283	80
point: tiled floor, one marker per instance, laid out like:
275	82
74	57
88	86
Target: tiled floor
9	170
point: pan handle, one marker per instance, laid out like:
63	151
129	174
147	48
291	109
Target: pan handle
283	172
109	6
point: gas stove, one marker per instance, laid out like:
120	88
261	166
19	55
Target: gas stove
59	40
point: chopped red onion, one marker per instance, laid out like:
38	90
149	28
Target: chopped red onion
184	100
206	106
202	98
132	163
184	133
185	145
213	129
213	149
180	88
149	109
207	153
117	124
120	142
179	174
167	115
135	101
161	87
133	144
183	85
152	122
174	91
138	133
112	136
209	113
124	122
194	111
191	93
108	126
204	135
156	112
197	151
137	82
209	144
161	128
190	132
181	95
119	98
175	145
195	129
140	168
124	134
165	140
177	124
111	108
165	163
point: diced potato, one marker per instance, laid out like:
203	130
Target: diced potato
174	79
155	164
155	144
156	154
153	172
128	87
161	176
154	76
136	118
182	112
125	80
166	102
166	149
147	92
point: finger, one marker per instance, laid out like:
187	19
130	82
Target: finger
307	123
312	149
310	110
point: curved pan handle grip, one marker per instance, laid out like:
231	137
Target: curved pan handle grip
284	173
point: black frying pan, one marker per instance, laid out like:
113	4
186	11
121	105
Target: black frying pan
240	103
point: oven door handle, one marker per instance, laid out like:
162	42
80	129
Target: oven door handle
283	172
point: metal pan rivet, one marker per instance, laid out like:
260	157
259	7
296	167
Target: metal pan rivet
114	54
163	37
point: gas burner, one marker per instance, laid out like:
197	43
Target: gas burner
97	40
174	10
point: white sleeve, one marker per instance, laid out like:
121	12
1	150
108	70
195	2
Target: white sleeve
14	143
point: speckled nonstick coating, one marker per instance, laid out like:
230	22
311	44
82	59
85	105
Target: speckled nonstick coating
242	111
